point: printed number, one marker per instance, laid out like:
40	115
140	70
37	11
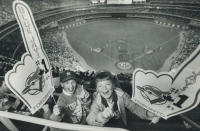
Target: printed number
183	98
45	67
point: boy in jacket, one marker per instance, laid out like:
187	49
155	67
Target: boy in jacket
74	102
110	102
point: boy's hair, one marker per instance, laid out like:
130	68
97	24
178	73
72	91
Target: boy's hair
105	75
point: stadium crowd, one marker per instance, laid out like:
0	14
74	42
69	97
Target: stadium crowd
174	1
6	13
190	41
62	58
5	65
176	11
60	55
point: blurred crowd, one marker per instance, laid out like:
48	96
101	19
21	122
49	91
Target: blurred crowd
62	57
176	11
189	42
6	13
59	53
171	1
6	64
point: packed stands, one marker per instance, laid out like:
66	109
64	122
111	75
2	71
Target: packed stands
173	11
175	1
6	13
189	42
61	56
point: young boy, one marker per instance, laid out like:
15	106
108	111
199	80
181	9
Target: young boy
74	102
110	102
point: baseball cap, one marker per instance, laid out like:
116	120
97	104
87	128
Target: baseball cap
67	75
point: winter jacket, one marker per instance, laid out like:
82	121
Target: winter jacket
124	101
73	109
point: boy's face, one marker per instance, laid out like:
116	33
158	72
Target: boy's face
105	88
69	86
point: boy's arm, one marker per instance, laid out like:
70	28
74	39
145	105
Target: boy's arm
58	113
85	97
95	116
135	108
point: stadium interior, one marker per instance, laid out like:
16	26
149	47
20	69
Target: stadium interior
87	36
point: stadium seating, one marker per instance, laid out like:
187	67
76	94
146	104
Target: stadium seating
62	57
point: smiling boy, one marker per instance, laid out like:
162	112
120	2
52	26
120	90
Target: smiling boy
108	107
73	103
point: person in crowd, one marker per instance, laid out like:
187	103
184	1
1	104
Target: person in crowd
8	101
110	102
73	103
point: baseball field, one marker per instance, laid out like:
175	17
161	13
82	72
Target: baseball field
121	45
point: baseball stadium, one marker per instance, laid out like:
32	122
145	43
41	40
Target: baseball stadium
89	36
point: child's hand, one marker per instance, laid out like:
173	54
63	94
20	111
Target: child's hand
108	112
187	125
82	95
45	108
56	110
154	118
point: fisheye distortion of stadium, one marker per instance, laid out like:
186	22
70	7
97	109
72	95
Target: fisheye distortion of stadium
87	36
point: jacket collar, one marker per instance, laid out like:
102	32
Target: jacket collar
102	101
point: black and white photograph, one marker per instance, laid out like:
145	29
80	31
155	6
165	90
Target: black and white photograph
99	65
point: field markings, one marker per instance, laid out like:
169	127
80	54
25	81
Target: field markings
161	45
85	43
